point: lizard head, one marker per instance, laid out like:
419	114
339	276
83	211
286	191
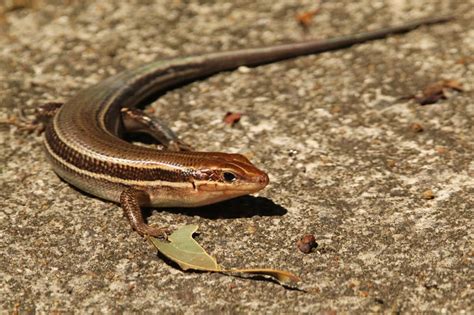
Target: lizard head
222	176
209	177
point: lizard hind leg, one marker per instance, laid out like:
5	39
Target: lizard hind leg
136	121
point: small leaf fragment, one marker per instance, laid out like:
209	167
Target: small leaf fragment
437	91
231	118
306	18
185	251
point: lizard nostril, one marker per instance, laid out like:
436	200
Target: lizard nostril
264	179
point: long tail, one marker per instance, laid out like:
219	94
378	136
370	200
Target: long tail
258	56
160	76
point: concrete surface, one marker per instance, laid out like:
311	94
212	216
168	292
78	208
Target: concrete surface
329	129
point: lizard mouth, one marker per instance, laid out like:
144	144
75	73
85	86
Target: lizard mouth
255	185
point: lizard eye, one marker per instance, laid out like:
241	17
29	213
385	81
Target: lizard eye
229	177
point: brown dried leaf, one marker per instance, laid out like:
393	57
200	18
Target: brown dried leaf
231	118
453	84
437	91
465	60
306	18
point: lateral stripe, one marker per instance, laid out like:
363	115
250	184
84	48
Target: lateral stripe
117	180
80	150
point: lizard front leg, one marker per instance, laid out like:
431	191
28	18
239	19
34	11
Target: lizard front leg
131	199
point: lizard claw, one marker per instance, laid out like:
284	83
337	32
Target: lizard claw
152	230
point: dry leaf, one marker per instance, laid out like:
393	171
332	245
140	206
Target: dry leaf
453	84
232	118
437	91
306	18
185	251
188	254
465	60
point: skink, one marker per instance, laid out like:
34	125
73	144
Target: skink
84	144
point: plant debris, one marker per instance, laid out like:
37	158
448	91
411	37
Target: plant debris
434	92
306	18
188	254
231	118
465	60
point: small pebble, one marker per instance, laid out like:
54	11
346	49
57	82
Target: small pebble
428	194
416	127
